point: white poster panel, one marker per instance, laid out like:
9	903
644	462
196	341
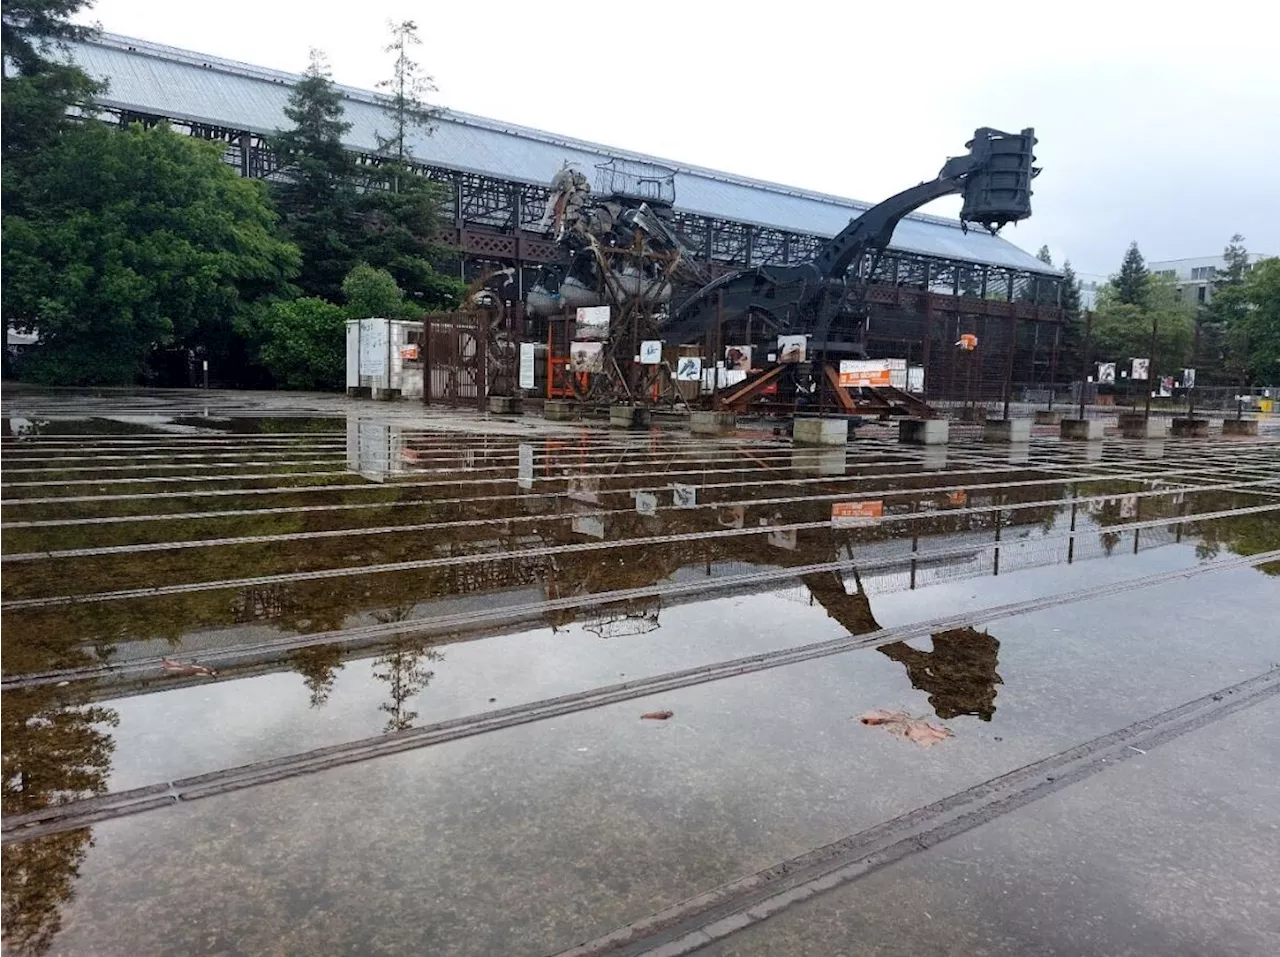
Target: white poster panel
647	503
684	496
651	352
1188	378
373	346
689	369
1140	368
737	358
586	357
792	348
528	353
1106	372
593	322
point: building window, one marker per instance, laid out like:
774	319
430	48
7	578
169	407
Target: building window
1201	293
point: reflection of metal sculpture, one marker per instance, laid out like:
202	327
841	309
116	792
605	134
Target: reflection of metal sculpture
959	674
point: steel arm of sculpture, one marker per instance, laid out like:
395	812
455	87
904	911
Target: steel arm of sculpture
790	294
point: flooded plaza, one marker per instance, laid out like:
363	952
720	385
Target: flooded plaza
304	675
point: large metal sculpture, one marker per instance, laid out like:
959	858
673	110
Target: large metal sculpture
816	298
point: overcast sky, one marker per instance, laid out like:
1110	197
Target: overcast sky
1154	124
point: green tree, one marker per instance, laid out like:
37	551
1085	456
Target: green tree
142	239
1122	331
1045	256
304	344
37	89
1131	283
1070	293
399	206
407	89
1260	324
371	292
317	195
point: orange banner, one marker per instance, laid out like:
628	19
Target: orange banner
856	513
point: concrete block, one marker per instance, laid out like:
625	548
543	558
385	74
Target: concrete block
557	410
820	431
1006	430
1184	428
1082	430
628	416
712	423
1239	426
924	431
503	405
385	395
1048	417
1134	425
359	392
811	461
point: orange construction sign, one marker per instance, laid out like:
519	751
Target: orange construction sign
856	513
865	374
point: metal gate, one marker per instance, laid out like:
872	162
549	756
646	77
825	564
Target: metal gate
455	359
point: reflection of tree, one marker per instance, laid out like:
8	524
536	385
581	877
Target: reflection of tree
404	670
1242	535
54	752
319	667
959	674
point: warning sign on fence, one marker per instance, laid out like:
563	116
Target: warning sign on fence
865	373
856	513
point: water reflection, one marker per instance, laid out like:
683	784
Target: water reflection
56	750
959	674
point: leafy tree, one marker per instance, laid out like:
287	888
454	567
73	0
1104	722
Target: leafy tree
142	239
1131	283
1122	331
1045	256
1261	322
317	197
372	293
304	344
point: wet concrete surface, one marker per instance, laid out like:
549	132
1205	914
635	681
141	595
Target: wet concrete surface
515	564
1171	853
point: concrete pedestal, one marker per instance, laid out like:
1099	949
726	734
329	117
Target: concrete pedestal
359	392
924	431
1190	428
628	416
1239	426
1048	417
819	431
1006	430
385	395
1082	430
557	410
503	405
712	423
1137	426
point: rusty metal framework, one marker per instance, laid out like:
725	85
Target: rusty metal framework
498	223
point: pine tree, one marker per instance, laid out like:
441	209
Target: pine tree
37	89
1236	264
1131	283
317	197
1070	300
406	105
1045	256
